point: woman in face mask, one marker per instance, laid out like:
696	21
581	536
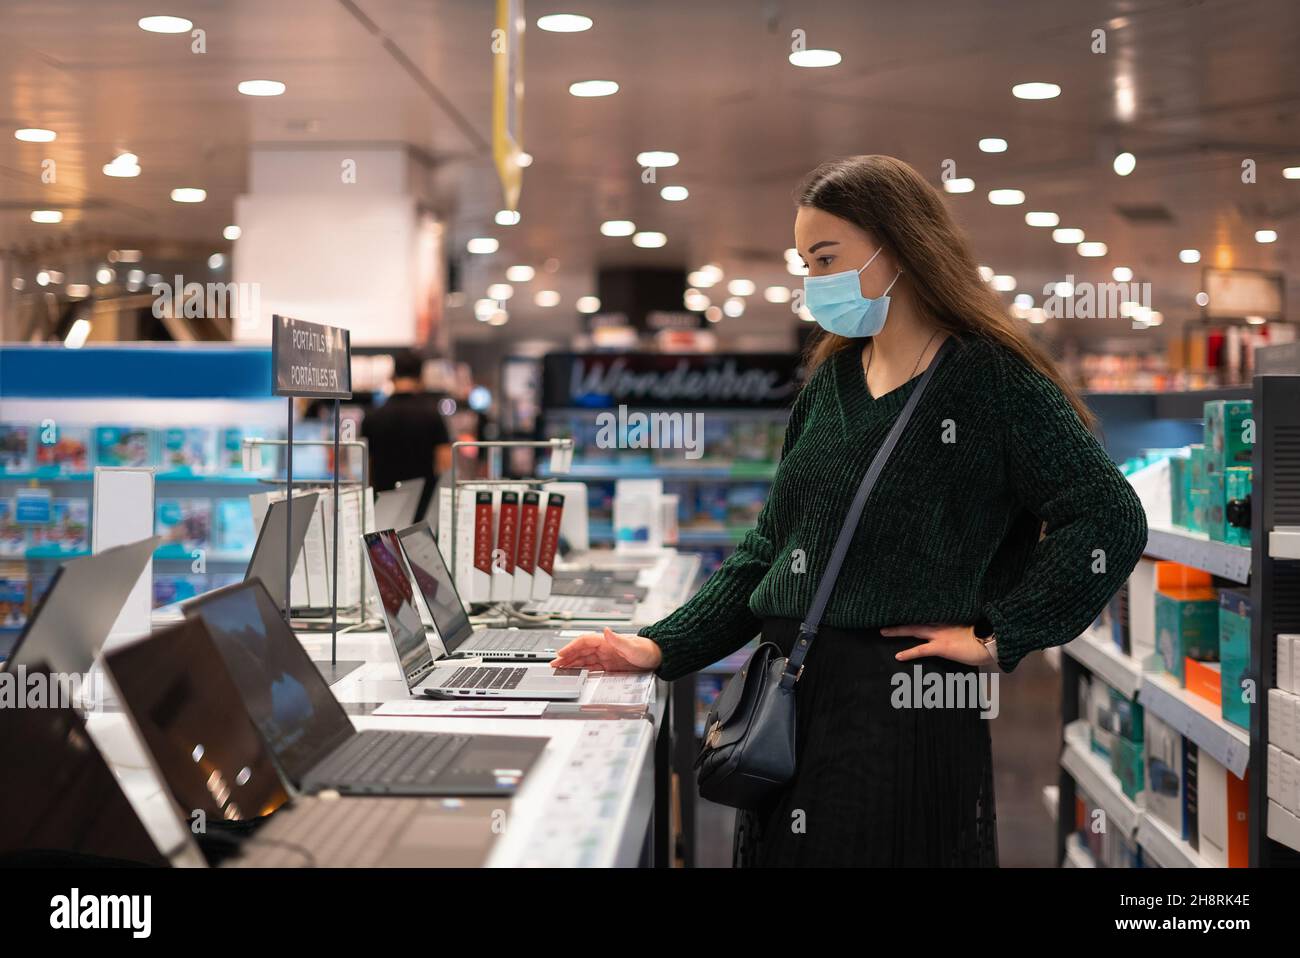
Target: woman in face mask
998	527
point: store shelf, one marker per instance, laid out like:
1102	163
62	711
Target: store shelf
1200	551
1095	652
1284	542
1166	849
686	537
1198	720
1283	826
1092	773
224	479
1076	855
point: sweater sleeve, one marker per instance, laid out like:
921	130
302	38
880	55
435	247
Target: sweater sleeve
716	621
1095	526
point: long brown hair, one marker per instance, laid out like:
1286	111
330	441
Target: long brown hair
903	213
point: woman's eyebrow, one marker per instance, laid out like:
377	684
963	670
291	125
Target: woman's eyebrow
816	246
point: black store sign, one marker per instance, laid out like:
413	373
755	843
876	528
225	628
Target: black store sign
310	360
602	380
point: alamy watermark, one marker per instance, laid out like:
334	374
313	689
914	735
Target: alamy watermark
622	429
919	689
235	301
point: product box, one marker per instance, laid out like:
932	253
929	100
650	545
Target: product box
1288	648
1197	490
1191	786
1234	655
1229	434
1164	773
1142	610
1178	486
1223	815
15	448
233	530
1187	627
1282	714
1100	725
1216	521
1236	486
1126	760
63	449
123	446
67	532
13	534
1203	679
185	525
189	450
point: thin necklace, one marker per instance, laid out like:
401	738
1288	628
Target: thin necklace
924	350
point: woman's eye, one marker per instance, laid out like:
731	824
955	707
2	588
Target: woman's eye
825	260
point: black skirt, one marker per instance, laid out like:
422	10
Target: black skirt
876	784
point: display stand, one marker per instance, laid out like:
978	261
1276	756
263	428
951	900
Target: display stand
314	361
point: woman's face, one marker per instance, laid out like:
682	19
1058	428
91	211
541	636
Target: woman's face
828	244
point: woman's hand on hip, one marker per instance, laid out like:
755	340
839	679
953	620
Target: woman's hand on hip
609	652
955	642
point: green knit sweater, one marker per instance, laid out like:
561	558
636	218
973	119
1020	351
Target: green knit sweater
997	501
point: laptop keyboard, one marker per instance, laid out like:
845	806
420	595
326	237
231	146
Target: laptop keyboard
343	833
391	759
577	603
484	677
596	590
491	640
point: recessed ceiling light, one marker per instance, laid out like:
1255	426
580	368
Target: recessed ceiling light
1068	235
1064	289
260	87
216	261
1024	300
482	245
499	318
507	218
1042	218
35	135
695	301
564	23
1125	163
1003	283
993	144
741	287
123	165
617	228
1255	320
985	272
232	232
520	274
961	184
1265	236
484	308
701	278
1292	172
1035	91
80	330
47	216
1037	315
734	307
657	158
165	24
189	194
777	294
500	291
588	304
1189	256
19	283
674	194
1006	197
590	88
814	59
1202	298
712	272
1121	274
714	314
649	240
523	160
104	275
546	298
1092	249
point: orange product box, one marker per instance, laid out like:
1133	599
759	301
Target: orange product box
1203	679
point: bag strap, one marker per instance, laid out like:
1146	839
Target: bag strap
812	621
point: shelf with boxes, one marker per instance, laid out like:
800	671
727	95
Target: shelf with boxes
1198	641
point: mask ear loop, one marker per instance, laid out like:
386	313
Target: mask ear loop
872	260
891	284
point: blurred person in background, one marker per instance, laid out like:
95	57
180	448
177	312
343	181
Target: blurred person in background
408	438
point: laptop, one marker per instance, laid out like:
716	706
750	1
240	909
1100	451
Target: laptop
69	625
459	638
267	561
595	585
582	607
63	805
396	507
212	758
438	675
312	739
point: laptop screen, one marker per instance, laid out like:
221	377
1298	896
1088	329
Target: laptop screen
186	706
60	795
436	585
267	562
293	708
397	598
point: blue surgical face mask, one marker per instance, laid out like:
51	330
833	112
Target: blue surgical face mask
837	303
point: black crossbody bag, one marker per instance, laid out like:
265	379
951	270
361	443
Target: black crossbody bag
748	751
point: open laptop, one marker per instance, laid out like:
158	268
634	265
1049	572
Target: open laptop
582	607
267	560
597	585
62	804
69	625
396	507
212	758
311	737
438	675
459	638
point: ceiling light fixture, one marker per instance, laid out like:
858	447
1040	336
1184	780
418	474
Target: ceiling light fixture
35	135
482	245
123	165
165	24
649	240
674	194
189	194
961	184
1035	91
47	216
261	87
1124	163
1042	218
993	144
1006	197
617	228
814	59
1092	249
593	88
564	23
657	158
1067	235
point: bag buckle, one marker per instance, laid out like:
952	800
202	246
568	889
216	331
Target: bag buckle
714	733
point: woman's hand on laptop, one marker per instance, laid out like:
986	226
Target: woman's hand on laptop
609	652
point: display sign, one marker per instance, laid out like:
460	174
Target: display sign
1238	293
308	359
508	98
603	380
